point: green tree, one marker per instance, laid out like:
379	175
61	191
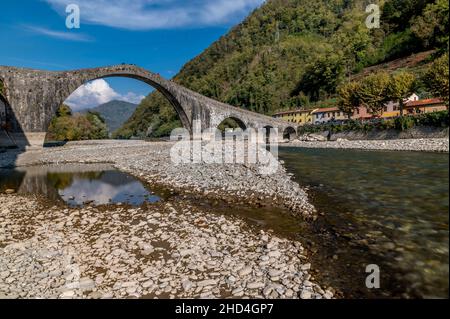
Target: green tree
373	92
64	111
401	86
99	128
323	75
66	126
436	79
432	27
349	99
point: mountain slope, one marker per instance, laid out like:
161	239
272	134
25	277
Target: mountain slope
115	113
291	53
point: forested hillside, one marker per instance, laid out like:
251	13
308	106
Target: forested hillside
291	53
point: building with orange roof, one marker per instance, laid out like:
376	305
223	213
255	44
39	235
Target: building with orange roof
392	109
413	106
329	114
424	106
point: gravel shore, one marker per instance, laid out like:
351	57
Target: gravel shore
152	163
164	250
416	145
170	249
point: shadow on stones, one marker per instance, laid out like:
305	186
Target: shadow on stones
10	132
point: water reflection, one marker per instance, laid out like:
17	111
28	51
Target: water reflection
78	185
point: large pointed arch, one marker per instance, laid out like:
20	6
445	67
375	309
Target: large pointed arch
160	88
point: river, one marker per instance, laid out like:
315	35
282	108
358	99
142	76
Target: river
385	208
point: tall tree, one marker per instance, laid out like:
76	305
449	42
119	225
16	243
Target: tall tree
432	27
436	79
401	86
373	92
349	99
67	127
323	75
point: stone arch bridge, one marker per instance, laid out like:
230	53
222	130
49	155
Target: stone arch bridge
32	97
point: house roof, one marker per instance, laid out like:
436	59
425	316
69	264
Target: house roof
426	102
328	109
295	111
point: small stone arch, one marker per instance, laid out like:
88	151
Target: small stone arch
3	112
240	123
289	133
267	133
7	120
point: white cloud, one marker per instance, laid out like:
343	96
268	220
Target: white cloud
159	14
132	98
98	92
69	35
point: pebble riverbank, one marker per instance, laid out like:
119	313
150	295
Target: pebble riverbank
164	250
440	145
170	249
152	163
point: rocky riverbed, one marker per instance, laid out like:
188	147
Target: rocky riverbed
162	250
152	162
169	249
417	145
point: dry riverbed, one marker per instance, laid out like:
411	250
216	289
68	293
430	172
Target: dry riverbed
170	249
152	163
162	250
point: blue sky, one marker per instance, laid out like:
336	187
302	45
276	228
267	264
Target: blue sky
159	35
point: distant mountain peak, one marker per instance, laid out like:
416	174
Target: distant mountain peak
115	113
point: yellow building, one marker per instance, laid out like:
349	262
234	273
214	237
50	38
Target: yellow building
300	117
392	109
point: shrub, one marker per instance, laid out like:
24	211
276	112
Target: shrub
404	123
435	119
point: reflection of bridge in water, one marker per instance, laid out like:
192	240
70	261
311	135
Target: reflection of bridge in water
34	96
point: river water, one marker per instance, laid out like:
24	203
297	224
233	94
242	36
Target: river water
390	209
384	208
78	184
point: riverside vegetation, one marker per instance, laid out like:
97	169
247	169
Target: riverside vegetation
296	53
435	119
66	126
